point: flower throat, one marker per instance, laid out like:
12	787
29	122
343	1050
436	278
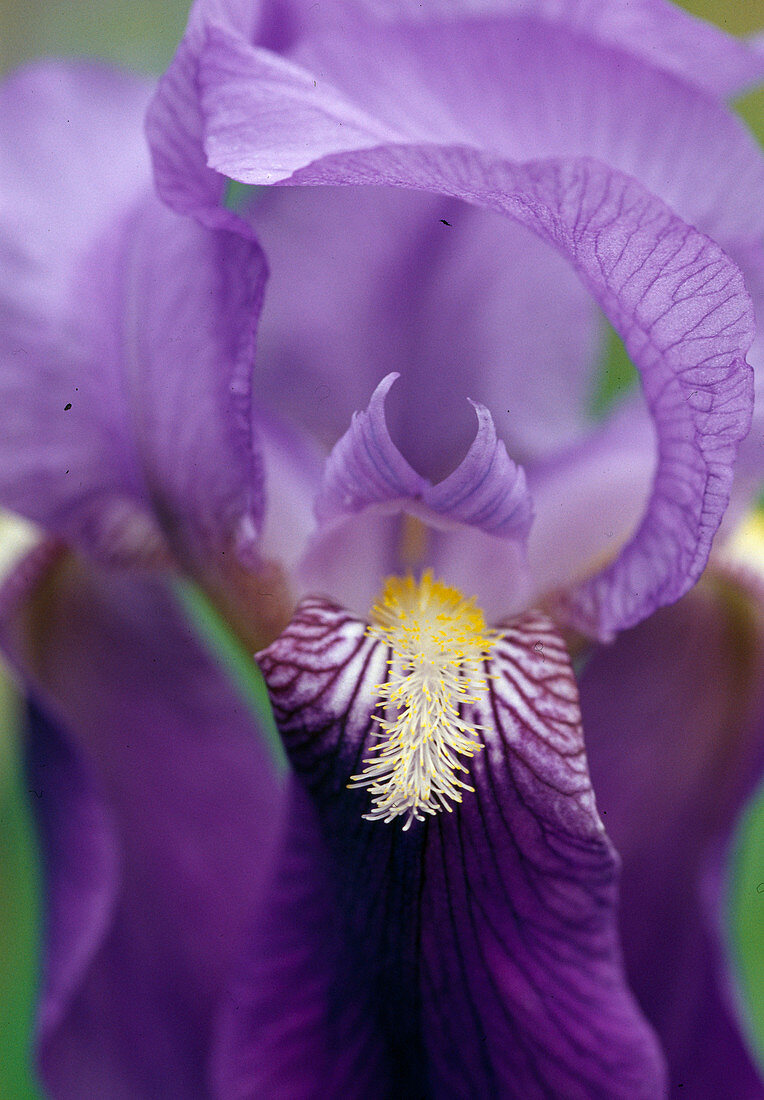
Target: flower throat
438	642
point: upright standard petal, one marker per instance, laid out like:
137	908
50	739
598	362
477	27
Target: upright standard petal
399	281
525	80
183	777
519	88
127	347
686	319
678	302
480	944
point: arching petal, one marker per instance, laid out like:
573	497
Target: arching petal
686	320
127	346
628	84
365	467
519	88
622	82
485	937
187	785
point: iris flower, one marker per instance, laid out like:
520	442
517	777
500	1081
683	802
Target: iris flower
427	905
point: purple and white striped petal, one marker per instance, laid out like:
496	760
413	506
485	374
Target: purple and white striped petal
485	939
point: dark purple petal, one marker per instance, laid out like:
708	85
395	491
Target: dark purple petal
127	347
298	1021
673	717
189	788
81	871
486	936
365	468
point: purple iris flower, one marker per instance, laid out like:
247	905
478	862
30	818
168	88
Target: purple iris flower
447	925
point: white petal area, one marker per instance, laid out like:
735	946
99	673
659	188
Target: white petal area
350	560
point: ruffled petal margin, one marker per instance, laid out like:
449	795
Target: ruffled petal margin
676	299
687	322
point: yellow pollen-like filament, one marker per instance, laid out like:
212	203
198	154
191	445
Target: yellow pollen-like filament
438	640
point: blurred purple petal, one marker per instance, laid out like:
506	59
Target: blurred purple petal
81	867
653	30
674	751
195	808
384	286
128	346
487	935
82	126
595	492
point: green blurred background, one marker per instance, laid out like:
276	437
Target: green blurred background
142	34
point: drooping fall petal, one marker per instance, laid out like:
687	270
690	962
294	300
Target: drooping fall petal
481	944
674	752
156	860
